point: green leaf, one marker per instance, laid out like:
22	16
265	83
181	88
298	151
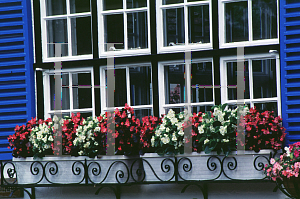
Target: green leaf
207	149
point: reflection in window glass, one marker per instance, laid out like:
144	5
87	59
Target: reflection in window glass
270	106
55	7
201	77
140	113
175	84
81	40
236	16
173	27
137	28
165	2
203	109
82	97
136	3
57	33
264	78
264	17
140	86
199	24
120	94
232	80
65	95
112	4
77	6
113	34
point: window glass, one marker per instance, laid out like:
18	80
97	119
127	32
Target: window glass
165	2
264	17
203	109
264	78
113	34
175	84
112	4
232	80
176	110
136	3
57	33
65	95
201	77
55	7
82	91
173	27
81	40
140	86
137	27
199	24
236	16
120	94
77	6
140	113
270	106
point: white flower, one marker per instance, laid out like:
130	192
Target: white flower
165	140
97	129
45	139
55	119
206	141
86	145
287	149
200	129
223	130
174	120
96	143
212	129
180	144
167	129
157	132
180	116
50	138
80	152
152	141
174	138
225	140
181	132
55	126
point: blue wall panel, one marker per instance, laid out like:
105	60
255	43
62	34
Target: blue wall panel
16	69
290	67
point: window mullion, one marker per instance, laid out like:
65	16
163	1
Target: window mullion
69	28
71	91
186	25
128	86
250	71
125	31
250	27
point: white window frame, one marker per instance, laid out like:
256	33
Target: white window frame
103	87
251	42
44	33
162	93
180	48
47	97
124	11
251	100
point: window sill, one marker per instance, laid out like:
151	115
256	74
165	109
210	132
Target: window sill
70	58
125	53
183	48
249	44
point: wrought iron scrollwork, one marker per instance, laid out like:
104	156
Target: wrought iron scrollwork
10	171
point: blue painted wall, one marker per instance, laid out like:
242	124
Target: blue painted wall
17	104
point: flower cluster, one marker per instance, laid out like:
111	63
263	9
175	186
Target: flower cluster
217	131
169	136
89	139
287	165
263	130
42	137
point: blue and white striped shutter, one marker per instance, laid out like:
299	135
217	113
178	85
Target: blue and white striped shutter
290	67
17	102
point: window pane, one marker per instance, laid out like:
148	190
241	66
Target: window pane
81	40
120	94
137	28
65	95
55	7
264	78
112	4
264	16
173	27
136	3
57	33
236	16
85	114
171	1
140	86
142	113
201	77
232	80
62	115
175	84
199	24
113	35
78	6
82	97
203	109
270	106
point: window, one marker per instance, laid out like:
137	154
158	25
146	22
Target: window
172	93
133	86
262	81
248	22
77	92
62	21
184	24
126	24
